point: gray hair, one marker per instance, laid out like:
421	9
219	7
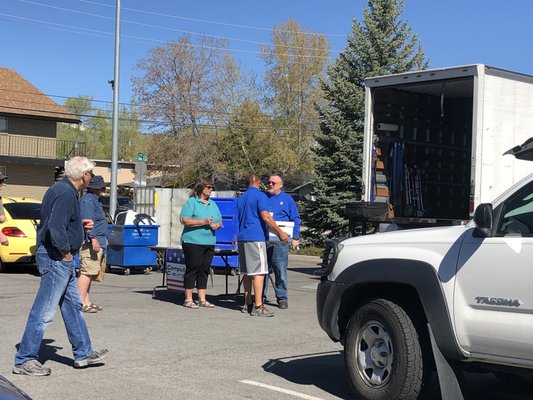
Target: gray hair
76	166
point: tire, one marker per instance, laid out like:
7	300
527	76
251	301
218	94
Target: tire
383	353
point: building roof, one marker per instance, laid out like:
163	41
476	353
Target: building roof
19	97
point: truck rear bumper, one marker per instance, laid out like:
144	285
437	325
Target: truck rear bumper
328	300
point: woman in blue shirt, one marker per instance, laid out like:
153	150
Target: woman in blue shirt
201	218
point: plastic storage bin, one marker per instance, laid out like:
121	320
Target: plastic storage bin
129	246
226	234
133	235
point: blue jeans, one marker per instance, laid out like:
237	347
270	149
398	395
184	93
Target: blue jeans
278	261
57	287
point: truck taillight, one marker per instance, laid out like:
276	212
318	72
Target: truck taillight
12	231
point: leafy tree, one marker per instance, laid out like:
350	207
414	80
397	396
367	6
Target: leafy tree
295	61
95	130
87	129
192	89
382	44
249	145
131	141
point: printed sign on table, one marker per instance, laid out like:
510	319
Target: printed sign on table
175	270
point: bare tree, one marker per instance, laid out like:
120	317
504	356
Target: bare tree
295	62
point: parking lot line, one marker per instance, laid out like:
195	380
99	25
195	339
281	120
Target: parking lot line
281	390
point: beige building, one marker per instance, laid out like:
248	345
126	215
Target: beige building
30	154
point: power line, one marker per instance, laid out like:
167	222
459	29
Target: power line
132	106
92	32
204	20
256	127
174	29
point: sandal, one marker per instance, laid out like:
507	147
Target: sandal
206	304
96	307
190	304
88	309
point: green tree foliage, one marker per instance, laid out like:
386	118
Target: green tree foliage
382	44
95	130
249	145
295	61
84	132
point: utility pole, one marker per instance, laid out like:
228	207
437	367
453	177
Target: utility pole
114	145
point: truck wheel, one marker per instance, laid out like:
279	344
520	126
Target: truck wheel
383	353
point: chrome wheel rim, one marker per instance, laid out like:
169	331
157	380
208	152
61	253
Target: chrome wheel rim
374	354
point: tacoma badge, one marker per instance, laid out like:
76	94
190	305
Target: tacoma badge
498	301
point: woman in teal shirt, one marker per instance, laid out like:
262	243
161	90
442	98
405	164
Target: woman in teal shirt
201	218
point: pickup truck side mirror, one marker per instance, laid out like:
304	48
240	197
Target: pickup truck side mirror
483	219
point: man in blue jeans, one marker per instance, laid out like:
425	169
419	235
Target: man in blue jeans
59	237
283	209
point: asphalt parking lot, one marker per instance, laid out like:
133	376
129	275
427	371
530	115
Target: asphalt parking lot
161	350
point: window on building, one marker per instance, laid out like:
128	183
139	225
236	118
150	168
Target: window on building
3	124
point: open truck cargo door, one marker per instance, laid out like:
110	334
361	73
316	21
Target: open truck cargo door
523	151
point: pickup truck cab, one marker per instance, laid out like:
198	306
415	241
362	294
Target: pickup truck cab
396	299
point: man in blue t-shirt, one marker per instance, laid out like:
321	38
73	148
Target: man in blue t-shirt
285	212
254	221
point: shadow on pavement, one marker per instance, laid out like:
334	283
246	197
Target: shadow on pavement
30	269
323	370
49	352
307	271
231	301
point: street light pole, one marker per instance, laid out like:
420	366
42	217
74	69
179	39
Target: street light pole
114	145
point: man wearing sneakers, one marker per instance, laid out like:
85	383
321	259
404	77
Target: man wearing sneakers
253	217
284	211
59	237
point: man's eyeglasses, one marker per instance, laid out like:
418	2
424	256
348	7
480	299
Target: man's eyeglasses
90	173
209	187
272	183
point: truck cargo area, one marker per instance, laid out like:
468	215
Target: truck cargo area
422	148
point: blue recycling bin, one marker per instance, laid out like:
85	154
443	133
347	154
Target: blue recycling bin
225	235
129	246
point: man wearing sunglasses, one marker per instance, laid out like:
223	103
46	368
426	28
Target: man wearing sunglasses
254	222
285	212
59	238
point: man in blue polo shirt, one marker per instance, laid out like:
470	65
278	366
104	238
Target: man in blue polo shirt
254	218
284	211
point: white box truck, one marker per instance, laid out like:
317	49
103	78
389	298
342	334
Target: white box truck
434	142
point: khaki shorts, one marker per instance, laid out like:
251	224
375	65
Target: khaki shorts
91	262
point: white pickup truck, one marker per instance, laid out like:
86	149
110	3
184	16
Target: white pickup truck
407	302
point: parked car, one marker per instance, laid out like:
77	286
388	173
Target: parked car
8	391
124	202
22	216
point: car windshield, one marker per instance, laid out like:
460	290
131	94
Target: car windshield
24	210
121	201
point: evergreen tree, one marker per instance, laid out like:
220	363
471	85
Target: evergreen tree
382	44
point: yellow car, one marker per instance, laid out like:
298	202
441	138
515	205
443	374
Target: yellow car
22	216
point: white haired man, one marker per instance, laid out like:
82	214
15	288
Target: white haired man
59	237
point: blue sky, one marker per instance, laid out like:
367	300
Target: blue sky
66	47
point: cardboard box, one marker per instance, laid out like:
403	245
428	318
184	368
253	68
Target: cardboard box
286	226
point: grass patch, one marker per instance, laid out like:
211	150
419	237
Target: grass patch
309	251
